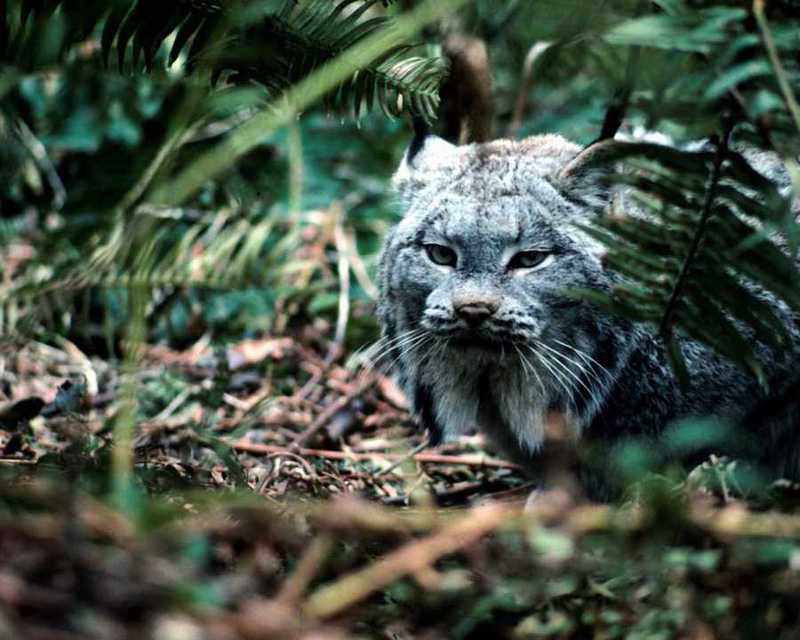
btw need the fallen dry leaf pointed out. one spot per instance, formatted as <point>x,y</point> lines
<point>255,351</point>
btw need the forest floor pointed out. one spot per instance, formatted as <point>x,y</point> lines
<point>279,493</point>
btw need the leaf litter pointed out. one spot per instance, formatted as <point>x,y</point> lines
<point>281,494</point>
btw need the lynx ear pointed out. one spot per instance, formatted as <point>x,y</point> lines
<point>599,156</point>
<point>586,175</point>
<point>426,156</point>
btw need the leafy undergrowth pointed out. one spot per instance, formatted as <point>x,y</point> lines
<point>281,494</point>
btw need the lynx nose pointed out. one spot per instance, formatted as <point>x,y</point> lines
<point>474,311</point>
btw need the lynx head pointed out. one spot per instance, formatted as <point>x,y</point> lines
<point>475,287</point>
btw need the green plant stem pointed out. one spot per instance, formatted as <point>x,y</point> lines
<point>299,97</point>
<point>164,153</point>
<point>783,82</point>
<point>774,58</point>
<point>125,423</point>
<point>296,171</point>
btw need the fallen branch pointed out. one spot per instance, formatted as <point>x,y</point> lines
<point>410,559</point>
<point>416,558</point>
<point>327,415</point>
<point>306,570</point>
<point>476,460</point>
<point>402,460</point>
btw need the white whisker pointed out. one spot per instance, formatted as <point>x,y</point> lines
<point>553,369</point>
<point>409,346</point>
<point>586,358</point>
<point>529,368</point>
<point>401,349</point>
<point>561,358</point>
<point>372,358</point>
<point>396,343</point>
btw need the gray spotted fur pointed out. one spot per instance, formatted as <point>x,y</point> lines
<point>606,375</point>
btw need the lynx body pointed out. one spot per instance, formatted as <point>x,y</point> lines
<point>475,309</point>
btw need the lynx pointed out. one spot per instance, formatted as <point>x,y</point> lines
<point>475,314</point>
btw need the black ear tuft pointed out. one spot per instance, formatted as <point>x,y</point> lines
<point>421,132</point>
<point>426,160</point>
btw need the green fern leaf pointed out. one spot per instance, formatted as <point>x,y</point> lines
<point>274,43</point>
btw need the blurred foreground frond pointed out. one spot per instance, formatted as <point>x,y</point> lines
<point>271,42</point>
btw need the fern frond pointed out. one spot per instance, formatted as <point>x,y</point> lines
<point>272,42</point>
<point>723,65</point>
<point>701,251</point>
<point>162,252</point>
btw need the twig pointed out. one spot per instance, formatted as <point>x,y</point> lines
<point>39,153</point>
<point>326,416</point>
<point>406,457</point>
<point>475,460</point>
<point>343,268</point>
<point>621,99</point>
<point>521,103</point>
<point>412,558</point>
<point>310,471</point>
<point>306,570</point>
<point>774,58</point>
<point>786,89</point>
<point>316,377</point>
<point>359,268</point>
<point>347,513</point>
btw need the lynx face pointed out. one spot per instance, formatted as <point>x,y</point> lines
<point>474,290</point>
<point>489,276</point>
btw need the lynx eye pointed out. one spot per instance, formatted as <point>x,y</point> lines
<point>530,259</point>
<point>439,254</point>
